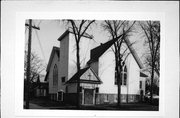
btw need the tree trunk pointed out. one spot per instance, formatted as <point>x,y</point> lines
<point>152,78</point>
<point>78,79</point>
<point>119,81</point>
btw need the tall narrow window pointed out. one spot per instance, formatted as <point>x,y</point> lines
<point>55,75</point>
<point>115,82</point>
<point>123,76</point>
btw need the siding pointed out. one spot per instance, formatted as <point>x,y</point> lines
<point>53,89</point>
<point>63,65</point>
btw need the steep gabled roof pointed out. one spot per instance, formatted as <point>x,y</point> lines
<point>80,73</point>
<point>143,75</point>
<point>133,52</point>
<point>98,51</point>
<point>55,50</point>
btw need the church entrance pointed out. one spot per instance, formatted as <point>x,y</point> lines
<point>88,96</point>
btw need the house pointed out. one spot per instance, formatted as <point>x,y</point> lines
<point>38,87</point>
<point>98,84</point>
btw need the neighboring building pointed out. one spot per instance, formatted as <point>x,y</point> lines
<point>42,90</point>
<point>98,83</point>
<point>38,87</point>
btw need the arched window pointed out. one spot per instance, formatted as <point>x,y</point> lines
<point>123,76</point>
<point>55,75</point>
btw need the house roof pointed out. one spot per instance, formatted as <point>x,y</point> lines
<point>54,51</point>
<point>80,73</point>
<point>43,85</point>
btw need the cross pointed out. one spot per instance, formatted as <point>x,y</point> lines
<point>89,75</point>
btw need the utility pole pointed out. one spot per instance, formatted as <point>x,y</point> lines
<point>29,61</point>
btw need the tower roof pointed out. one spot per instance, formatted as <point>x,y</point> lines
<point>63,35</point>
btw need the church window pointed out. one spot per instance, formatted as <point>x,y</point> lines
<point>55,76</point>
<point>123,76</point>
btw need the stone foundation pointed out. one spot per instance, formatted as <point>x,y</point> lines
<point>112,98</point>
<point>100,98</point>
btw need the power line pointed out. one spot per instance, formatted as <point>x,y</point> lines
<point>40,45</point>
<point>40,41</point>
<point>28,61</point>
<point>39,23</point>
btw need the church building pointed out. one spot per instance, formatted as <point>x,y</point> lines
<point>98,83</point>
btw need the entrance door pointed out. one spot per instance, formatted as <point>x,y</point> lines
<point>88,96</point>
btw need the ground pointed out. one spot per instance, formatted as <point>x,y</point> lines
<point>47,104</point>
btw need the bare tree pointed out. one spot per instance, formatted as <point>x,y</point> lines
<point>121,30</point>
<point>37,66</point>
<point>151,31</point>
<point>79,29</point>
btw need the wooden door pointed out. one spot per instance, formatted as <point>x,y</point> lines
<point>88,96</point>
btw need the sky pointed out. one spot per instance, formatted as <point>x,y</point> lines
<point>44,39</point>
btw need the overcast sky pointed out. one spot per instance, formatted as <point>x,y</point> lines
<point>44,39</point>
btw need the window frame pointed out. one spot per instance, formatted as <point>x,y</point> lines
<point>123,73</point>
<point>55,75</point>
<point>63,79</point>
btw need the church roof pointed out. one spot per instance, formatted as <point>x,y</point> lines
<point>80,73</point>
<point>55,50</point>
<point>143,75</point>
<point>134,53</point>
<point>98,51</point>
